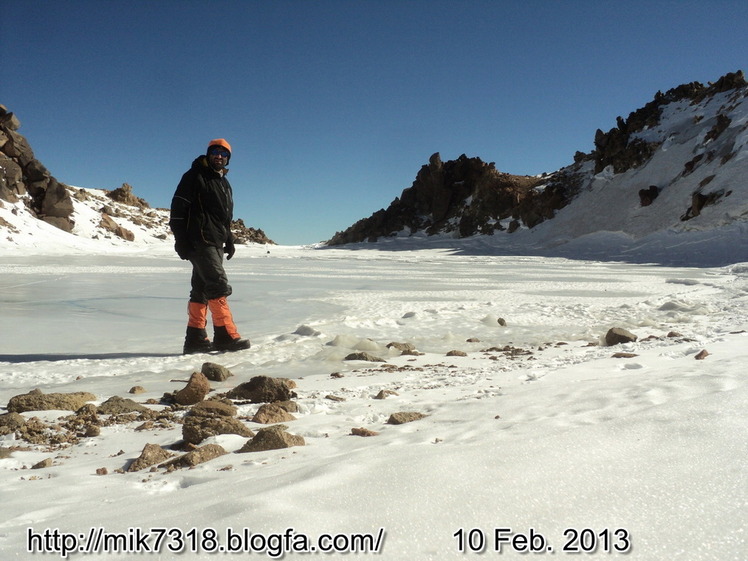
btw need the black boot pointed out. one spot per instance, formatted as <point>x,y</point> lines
<point>222,341</point>
<point>196,341</point>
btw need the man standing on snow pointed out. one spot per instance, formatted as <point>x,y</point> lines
<point>201,214</point>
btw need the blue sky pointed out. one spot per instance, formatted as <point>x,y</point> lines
<point>333,106</point>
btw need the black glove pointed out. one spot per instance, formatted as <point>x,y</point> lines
<point>183,249</point>
<point>229,249</point>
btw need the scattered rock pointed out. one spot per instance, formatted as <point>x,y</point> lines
<point>45,463</point>
<point>624,355</point>
<point>92,431</point>
<point>306,331</point>
<point>214,407</point>
<point>402,347</point>
<point>35,400</point>
<point>363,355</point>
<point>151,455</point>
<point>102,471</point>
<point>197,428</point>
<point>215,372</point>
<point>456,353</point>
<point>198,456</point>
<point>501,322</point>
<point>384,394</point>
<point>136,390</point>
<point>618,335</point>
<point>363,432</point>
<point>702,355</point>
<point>116,405</point>
<point>262,389</point>
<point>11,422</point>
<point>404,417</point>
<point>195,390</point>
<point>272,438</point>
<point>334,398</point>
<point>472,340</point>
<point>271,413</point>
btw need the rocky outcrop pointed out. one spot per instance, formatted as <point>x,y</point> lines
<point>616,147</point>
<point>244,234</point>
<point>466,197</point>
<point>21,174</point>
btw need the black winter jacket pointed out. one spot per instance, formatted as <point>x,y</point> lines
<point>202,207</point>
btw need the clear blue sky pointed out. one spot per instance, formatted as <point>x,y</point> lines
<point>333,106</point>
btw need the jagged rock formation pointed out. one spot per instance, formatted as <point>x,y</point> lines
<point>245,234</point>
<point>21,173</point>
<point>465,197</point>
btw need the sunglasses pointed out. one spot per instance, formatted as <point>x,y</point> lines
<point>221,153</point>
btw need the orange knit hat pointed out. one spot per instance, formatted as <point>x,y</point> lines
<point>220,142</point>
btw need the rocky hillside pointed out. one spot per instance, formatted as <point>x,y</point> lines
<point>36,209</point>
<point>690,143</point>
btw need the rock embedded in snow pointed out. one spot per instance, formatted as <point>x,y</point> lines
<point>195,391</point>
<point>213,407</point>
<point>35,400</point>
<point>404,417</point>
<point>215,372</point>
<point>11,422</point>
<point>151,455</point>
<point>45,463</point>
<point>262,389</point>
<point>363,432</point>
<point>402,347</point>
<point>363,355</point>
<point>272,438</point>
<point>198,456</point>
<point>618,336</point>
<point>456,353</point>
<point>271,413</point>
<point>116,405</point>
<point>197,428</point>
<point>702,355</point>
<point>306,331</point>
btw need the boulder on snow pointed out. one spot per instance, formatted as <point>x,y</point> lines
<point>197,428</point>
<point>198,456</point>
<point>618,336</point>
<point>215,372</point>
<point>404,417</point>
<point>151,455</point>
<point>272,438</point>
<point>195,391</point>
<point>116,405</point>
<point>35,400</point>
<point>271,413</point>
<point>262,389</point>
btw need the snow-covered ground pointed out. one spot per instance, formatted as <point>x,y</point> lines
<point>648,451</point>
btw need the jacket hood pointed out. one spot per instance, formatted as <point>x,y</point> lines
<point>201,164</point>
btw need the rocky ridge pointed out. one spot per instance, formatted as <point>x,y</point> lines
<point>467,197</point>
